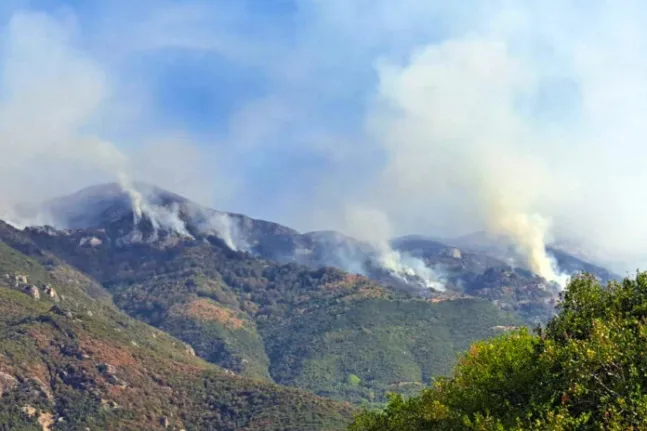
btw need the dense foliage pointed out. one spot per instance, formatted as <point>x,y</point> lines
<point>75,362</point>
<point>587,370</point>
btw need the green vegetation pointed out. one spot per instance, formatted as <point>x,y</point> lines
<point>79,363</point>
<point>587,370</point>
<point>288,323</point>
<point>353,380</point>
<point>390,345</point>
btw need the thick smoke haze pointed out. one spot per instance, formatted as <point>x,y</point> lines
<point>520,119</point>
<point>449,122</point>
<point>527,125</point>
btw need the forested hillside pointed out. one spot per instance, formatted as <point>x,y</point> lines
<point>339,335</point>
<point>69,360</point>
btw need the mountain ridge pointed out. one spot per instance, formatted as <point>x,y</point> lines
<point>264,303</point>
<point>268,239</point>
<point>247,312</point>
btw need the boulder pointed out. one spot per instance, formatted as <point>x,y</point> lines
<point>32,291</point>
<point>107,369</point>
<point>164,422</point>
<point>455,253</point>
<point>51,293</point>
<point>90,241</point>
<point>190,350</point>
<point>29,411</point>
<point>43,388</point>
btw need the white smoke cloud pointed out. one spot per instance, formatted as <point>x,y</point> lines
<point>226,228</point>
<point>52,96</point>
<point>448,121</point>
<point>535,107</point>
<point>49,91</point>
<point>373,227</point>
<point>525,121</point>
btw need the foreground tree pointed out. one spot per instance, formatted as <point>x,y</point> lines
<point>587,370</point>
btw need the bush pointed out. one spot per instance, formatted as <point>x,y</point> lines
<point>353,380</point>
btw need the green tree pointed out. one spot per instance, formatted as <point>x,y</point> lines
<point>587,370</point>
<point>353,380</point>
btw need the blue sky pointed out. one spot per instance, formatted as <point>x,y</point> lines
<point>261,87</point>
<point>439,115</point>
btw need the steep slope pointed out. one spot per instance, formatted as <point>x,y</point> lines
<point>70,361</point>
<point>362,349</point>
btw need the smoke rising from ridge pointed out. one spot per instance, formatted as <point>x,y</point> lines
<point>449,122</point>
<point>52,96</point>
<point>373,227</point>
<point>521,119</point>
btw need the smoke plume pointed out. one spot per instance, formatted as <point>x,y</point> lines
<point>373,227</point>
<point>224,226</point>
<point>448,122</point>
<point>53,97</point>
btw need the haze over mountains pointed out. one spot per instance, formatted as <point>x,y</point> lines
<point>415,131</point>
<point>112,215</point>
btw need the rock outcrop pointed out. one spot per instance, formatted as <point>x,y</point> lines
<point>32,291</point>
<point>7,382</point>
<point>51,293</point>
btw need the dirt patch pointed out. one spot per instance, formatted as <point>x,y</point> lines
<point>46,421</point>
<point>105,352</point>
<point>208,311</point>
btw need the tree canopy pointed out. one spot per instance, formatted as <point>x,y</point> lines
<point>586,370</point>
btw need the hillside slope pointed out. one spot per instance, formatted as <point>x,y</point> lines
<point>70,360</point>
<point>286,323</point>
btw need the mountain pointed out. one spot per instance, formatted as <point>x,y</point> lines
<point>457,259</point>
<point>70,360</point>
<point>314,327</point>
